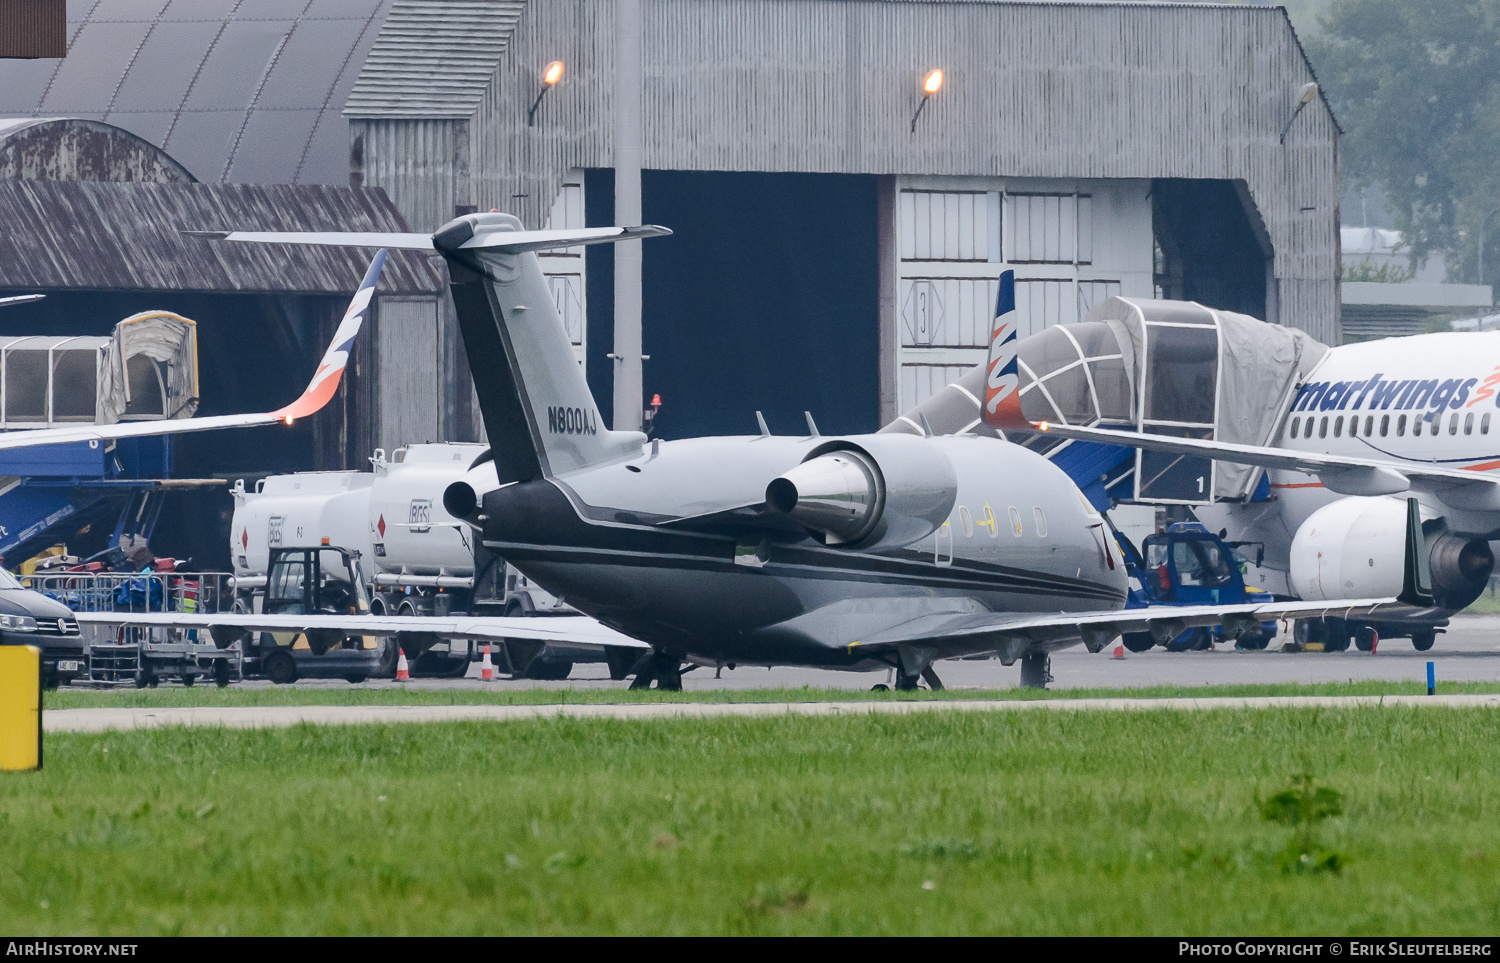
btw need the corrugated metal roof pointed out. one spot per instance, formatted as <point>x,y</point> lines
<point>63,235</point>
<point>239,91</point>
<point>65,149</point>
<point>433,58</point>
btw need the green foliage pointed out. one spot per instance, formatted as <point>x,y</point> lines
<point>993,823</point>
<point>1384,274</point>
<point>1302,806</point>
<point>1416,88</point>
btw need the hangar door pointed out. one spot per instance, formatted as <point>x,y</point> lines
<point>409,387</point>
<point>1072,243</point>
<point>763,298</point>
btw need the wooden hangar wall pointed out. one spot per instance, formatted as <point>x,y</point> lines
<point>1100,126</point>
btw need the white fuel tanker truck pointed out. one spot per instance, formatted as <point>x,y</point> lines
<point>417,559</point>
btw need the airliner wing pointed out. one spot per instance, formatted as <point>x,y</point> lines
<point>1347,475</point>
<point>325,381</point>
<point>230,625</point>
<point>946,637</point>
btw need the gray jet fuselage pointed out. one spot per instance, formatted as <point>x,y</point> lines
<point>1010,534</point>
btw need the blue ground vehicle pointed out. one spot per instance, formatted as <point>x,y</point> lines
<point>1189,565</point>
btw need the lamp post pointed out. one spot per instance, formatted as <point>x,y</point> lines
<point>931,84</point>
<point>550,77</point>
<point>1305,96</point>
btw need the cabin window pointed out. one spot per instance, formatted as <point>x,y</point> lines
<point>1437,423</point>
<point>1385,425</point>
<point>1369,425</point>
<point>966,521</point>
<point>1295,423</point>
<point>1041,521</point>
<point>1484,424</point>
<point>1453,424</point>
<point>1015,521</point>
<point>990,523</point>
<point>1338,426</point>
<point>1469,423</point>
<point>1401,426</point>
<point>1323,427</point>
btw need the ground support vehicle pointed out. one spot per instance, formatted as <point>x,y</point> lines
<point>137,654</point>
<point>418,559</point>
<point>325,579</point>
<point>30,618</point>
<point>1189,565</point>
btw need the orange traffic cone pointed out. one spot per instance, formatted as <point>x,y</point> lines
<point>487,668</point>
<point>1119,652</point>
<point>403,671</point>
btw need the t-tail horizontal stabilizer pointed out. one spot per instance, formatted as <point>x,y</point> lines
<point>538,413</point>
<point>322,387</point>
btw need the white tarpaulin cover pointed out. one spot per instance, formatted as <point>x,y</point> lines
<point>150,369</point>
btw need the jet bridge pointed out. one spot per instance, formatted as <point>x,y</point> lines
<point>147,370</point>
<point>1161,367</point>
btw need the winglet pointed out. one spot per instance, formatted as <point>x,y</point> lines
<point>1002,382</point>
<point>1416,582</point>
<point>325,381</point>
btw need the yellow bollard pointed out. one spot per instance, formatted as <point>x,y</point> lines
<point>20,707</point>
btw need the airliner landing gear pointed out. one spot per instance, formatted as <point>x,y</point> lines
<point>1422,639</point>
<point>664,669</point>
<point>932,680</point>
<point>1036,669</point>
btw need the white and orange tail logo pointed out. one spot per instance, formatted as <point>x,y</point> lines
<point>325,381</point>
<point>1002,383</point>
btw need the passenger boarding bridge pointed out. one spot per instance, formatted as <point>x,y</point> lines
<point>1162,367</point>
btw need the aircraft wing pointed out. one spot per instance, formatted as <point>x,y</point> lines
<point>950,636</point>
<point>508,242</point>
<point>325,381</point>
<point>1471,487</point>
<point>230,625</point>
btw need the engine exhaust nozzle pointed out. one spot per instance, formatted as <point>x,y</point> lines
<point>837,495</point>
<point>463,498</point>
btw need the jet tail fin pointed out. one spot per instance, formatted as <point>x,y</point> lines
<point>537,409</point>
<point>325,380</point>
<point>1002,381</point>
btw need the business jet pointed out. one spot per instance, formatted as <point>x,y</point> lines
<point>869,552</point>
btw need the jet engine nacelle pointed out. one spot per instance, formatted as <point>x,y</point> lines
<point>882,491</point>
<point>462,498</point>
<point>1356,548</point>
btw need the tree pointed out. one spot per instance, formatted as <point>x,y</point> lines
<point>1416,86</point>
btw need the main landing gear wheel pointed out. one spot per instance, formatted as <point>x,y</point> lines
<point>1036,670</point>
<point>1422,639</point>
<point>1366,638</point>
<point>549,670</point>
<point>663,669</point>
<point>280,668</point>
<point>1138,641</point>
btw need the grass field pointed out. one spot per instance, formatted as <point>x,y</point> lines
<point>949,823</point>
<point>71,698</point>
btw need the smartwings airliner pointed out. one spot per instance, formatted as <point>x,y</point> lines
<point>1373,424</point>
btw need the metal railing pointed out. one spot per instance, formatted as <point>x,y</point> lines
<point>136,591</point>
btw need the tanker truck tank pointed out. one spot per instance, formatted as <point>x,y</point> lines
<point>416,541</point>
<point>295,511</point>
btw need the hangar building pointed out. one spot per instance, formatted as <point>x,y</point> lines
<point>833,252</point>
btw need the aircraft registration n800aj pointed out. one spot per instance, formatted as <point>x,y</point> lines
<point>859,551</point>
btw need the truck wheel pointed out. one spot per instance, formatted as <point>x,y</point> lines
<point>548,671</point>
<point>1422,639</point>
<point>280,668</point>
<point>354,679</point>
<point>1336,638</point>
<point>1189,641</point>
<point>188,679</point>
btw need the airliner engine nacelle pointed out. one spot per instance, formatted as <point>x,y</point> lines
<point>884,491</point>
<point>1356,548</point>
